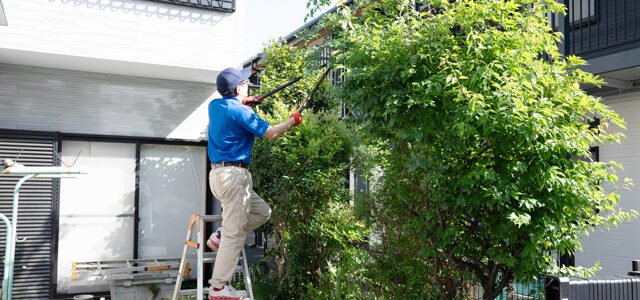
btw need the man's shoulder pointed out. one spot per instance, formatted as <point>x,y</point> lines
<point>216,102</point>
<point>239,108</point>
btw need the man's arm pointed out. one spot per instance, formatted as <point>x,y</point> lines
<point>276,131</point>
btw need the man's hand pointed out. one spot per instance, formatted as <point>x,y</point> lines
<point>298,117</point>
<point>258,68</point>
<point>251,101</point>
<point>275,131</point>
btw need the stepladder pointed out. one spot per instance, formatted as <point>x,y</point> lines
<point>199,221</point>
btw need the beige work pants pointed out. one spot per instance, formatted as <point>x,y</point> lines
<point>242,211</point>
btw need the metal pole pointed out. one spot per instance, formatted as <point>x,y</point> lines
<point>200,267</point>
<point>14,233</point>
<point>10,248</point>
<point>7,251</point>
<point>43,170</point>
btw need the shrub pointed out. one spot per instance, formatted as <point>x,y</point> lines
<point>477,117</point>
<point>303,176</point>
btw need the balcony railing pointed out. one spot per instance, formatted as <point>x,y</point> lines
<point>598,27</point>
<point>217,5</point>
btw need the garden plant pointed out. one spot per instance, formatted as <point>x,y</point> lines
<point>484,138</point>
<point>304,177</point>
<point>480,137</point>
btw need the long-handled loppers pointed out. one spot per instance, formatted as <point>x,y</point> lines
<point>258,100</point>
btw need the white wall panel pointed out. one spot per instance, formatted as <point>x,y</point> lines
<point>615,248</point>
<point>35,98</point>
<point>96,210</point>
<point>137,31</point>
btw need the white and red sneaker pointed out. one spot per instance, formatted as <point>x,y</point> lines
<point>227,292</point>
<point>214,240</point>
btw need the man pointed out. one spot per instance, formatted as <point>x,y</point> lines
<point>232,128</point>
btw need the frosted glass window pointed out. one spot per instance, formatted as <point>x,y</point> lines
<point>172,187</point>
<point>96,210</point>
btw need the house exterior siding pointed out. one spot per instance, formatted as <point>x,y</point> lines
<point>108,76</point>
<point>35,98</point>
<point>615,248</point>
<point>130,34</point>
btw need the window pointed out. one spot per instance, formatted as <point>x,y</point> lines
<point>581,14</point>
<point>172,187</point>
<point>96,213</point>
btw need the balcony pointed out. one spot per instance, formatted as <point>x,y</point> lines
<point>217,5</point>
<point>606,33</point>
<point>598,27</point>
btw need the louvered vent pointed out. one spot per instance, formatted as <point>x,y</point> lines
<point>32,271</point>
<point>217,5</point>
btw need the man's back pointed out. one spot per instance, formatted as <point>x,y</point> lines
<point>232,128</point>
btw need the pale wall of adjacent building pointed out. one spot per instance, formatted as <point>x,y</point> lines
<point>615,248</point>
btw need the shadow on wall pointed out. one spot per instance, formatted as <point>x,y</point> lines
<point>127,105</point>
<point>193,123</point>
<point>153,9</point>
<point>143,104</point>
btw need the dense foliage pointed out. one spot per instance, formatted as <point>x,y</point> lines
<point>303,176</point>
<point>483,132</point>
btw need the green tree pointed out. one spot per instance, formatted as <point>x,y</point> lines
<point>477,116</point>
<point>303,176</point>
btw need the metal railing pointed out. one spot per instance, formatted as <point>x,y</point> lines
<point>217,5</point>
<point>595,27</point>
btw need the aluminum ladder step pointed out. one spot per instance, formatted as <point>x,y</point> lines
<point>205,257</point>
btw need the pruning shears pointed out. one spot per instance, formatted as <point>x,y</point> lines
<point>258,100</point>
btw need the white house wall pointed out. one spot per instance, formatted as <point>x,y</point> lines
<point>615,248</point>
<point>33,98</point>
<point>95,35</point>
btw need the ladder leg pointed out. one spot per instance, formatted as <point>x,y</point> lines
<point>200,259</point>
<point>247,278</point>
<point>182,260</point>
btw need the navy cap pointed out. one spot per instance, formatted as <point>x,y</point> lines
<point>229,79</point>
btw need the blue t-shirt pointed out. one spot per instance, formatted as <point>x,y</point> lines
<point>232,129</point>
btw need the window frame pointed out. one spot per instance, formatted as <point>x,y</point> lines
<point>138,141</point>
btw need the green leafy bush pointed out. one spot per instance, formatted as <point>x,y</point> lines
<point>476,115</point>
<point>303,176</point>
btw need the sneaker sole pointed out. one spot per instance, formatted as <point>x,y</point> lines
<point>212,245</point>
<point>223,298</point>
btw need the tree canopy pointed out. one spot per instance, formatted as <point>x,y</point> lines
<point>484,140</point>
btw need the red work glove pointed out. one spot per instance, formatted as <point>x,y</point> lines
<point>298,117</point>
<point>251,100</point>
